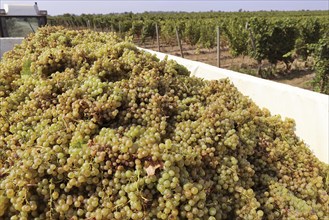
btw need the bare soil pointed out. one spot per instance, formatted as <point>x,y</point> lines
<point>299,75</point>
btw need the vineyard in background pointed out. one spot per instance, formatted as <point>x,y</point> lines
<point>273,40</point>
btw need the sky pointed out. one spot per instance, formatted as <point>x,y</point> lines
<point>137,6</point>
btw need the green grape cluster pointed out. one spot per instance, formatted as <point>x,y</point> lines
<point>93,128</point>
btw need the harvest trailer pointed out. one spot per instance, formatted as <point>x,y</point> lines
<point>17,21</point>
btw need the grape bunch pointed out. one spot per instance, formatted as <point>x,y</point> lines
<point>91,127</point>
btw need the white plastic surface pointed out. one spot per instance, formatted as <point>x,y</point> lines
<point>8,43</point>
<point>310,110</point>
<point>21,10</point>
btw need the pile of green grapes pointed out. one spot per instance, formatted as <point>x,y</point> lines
<point>93,128</point>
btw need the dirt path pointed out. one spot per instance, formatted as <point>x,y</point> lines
<point>301,79</point>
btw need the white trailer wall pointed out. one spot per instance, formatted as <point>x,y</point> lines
<point>310,110</point>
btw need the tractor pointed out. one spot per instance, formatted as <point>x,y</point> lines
<point>16,22</point>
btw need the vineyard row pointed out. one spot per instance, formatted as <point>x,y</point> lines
<point>275,37</point>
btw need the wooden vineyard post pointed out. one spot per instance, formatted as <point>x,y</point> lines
<point>254,47</point>
<point>88,24</point>
<point>218,46</point>
<point>157,33</point>
<point>179,43</point>
<point>251,37</point>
